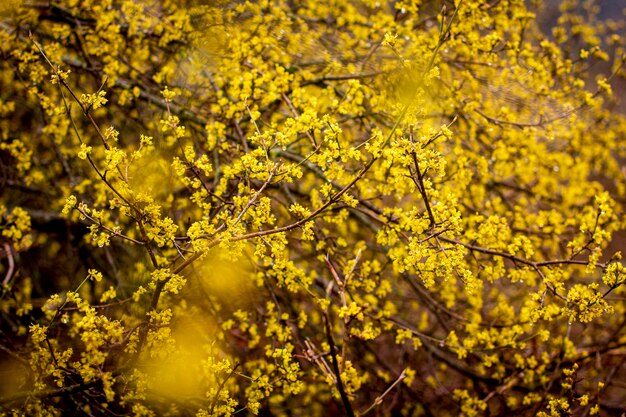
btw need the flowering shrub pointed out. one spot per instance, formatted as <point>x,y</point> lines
<point>310,208</point>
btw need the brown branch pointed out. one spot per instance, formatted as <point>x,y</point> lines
<point>381,397</point>
<point>333,354</point>
<point>519,259</point>
<point>11,269</point>
<point>422,190</point>
<point>343,77</point>
<point>536,265</point>
<point>50,393</point>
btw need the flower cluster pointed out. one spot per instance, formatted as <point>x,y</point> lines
<point>311,208</point>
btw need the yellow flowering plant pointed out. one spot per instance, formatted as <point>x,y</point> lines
<point>311,208</point>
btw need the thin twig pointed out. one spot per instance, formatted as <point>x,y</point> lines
<point>381,397</point>
<point>11,269</point>
<point>422,190</point>
<point>333,354</point>
<point>255,196</point>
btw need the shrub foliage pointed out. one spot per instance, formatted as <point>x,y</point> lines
<point>310,208</point>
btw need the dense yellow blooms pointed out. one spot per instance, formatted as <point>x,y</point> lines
<point>311,208</point>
